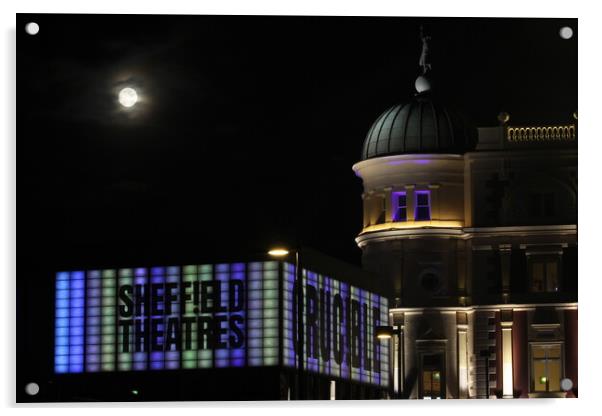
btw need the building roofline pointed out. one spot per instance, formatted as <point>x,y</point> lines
<point>466,233</point>
<point>513,306</point>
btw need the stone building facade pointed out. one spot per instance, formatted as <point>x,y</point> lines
<point>473,232</point>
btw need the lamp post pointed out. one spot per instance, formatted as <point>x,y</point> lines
<point>387,332</point>
<point>282,252</point>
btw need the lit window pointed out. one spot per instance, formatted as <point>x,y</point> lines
<point>400,206</point>
<point>423,206</point>
<point>546,367</point>
<point>544,275</point>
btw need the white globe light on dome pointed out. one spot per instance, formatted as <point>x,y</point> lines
<point>422,84</point>
<point>128,97</point>
<point>566,32</point>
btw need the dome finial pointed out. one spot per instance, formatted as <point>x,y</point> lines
<point>422,83</point>
<point>424,61</point>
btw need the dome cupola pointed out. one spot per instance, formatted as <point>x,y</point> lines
<point>425,124</point>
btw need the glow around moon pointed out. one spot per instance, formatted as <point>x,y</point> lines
<point>566,32</point>
<point>128,97</point>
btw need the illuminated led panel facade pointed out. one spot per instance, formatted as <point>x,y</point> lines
<point>214,316</point>
<point>339,321</point>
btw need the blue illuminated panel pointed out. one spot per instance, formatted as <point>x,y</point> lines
<point>339,322</point>
<point>345,326</point>
<point>93,320</point>
<point>157,319</point>
<point>69,322</point>
<point>384,346</point>
<point>236,308</point>
<point>140,354</point>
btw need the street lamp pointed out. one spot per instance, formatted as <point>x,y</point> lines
<point>387,332</point>
<point>384,332</point>
<point>278,252</point>
<point>282,252</point>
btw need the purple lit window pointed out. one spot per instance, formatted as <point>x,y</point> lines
<point>423,206</point>
<point>400,206</point>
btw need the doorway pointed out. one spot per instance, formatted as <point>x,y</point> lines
<point>432,380</point>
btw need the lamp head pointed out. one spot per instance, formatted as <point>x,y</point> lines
<point>278,252</point>
<point>384,332</point>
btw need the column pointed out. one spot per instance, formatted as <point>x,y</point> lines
<point>462,327</point>
<point>388,203</point>
<point>507,382</point>
<point>410,201</point>
<point>435,203</point>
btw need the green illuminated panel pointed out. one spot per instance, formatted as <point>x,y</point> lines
<point>191,276</point>
<point>108,320</point>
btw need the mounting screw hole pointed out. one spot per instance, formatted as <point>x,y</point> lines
<point>566,32</point>
<point>32,389</point>
<point>32,28</point>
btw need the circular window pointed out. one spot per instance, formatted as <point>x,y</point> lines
<point>430,281</point>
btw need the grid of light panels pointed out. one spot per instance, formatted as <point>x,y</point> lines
<point>377,371</point>
<point>88,337</point>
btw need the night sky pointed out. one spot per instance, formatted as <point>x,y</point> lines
<point>247,129</point>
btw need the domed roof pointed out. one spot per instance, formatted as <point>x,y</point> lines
<point>424,125</point>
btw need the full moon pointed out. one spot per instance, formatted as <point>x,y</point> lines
<point>566,32</point>
<point>128,97</point>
